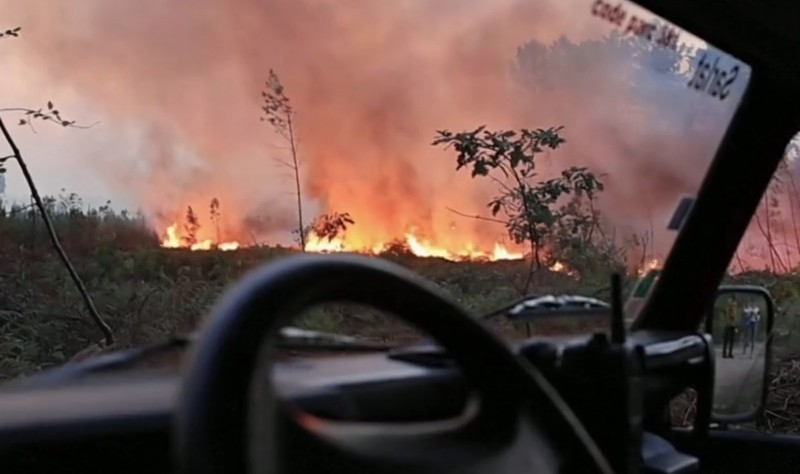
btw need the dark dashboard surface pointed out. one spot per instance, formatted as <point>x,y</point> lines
<point>60,424</point>
<point>88,422</point>
<point>102,403</point>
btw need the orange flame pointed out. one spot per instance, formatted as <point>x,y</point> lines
<point>418,246</point>
<point>172,239</point>
<point>559,267</point>
<point>652,264</point>
<point>415,245</point>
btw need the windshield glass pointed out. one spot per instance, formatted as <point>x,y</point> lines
<point>768,256</point>
<point>500,148</point>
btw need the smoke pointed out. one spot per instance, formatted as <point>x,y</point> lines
<point>371,81</point>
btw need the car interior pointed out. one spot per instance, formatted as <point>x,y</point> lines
<point>471,402</point>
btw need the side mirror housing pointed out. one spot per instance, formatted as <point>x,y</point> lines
<point>740,323</point>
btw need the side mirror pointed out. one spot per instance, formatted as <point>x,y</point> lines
<point>740,323</point>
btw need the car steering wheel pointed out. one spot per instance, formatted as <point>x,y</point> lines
<point>230,419</point>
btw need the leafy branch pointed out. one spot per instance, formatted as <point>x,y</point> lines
<point>331,226</point>
<point>13,32</point>
<point>46,114</point>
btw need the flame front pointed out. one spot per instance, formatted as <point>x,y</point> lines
<point>173,239</point>
<point>416,245</point>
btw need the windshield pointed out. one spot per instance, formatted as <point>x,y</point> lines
<point>500,148</point>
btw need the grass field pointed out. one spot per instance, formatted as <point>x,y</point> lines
<point>148,293</point>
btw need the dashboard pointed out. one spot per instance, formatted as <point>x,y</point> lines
<point>120,421</point>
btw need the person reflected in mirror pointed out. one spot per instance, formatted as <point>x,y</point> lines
<point>731,317</point>
<point>751,318</point>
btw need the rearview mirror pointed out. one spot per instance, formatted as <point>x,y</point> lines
<point>740,324</point>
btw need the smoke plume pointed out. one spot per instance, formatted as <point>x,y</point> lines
<point>371,81</point>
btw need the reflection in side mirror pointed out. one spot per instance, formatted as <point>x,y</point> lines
<point>741,324</point>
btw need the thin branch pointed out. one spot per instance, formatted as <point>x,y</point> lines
<point>739,261</point>
<point>500,183</point>
<point>773,253</point>
<point>286,164</point>
<point>283,134</point>
<point>21,209</point>
<point>45,116</point>
<point>278,147</point>
<point>480,218</point>
<point>256,243</point>
<point>285,175</point>
<point>104,327</point>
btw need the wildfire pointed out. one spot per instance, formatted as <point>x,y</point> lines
<point>420,247</point>
<point>172,239</point>
<point>653,264</point>
<point>417,246</point>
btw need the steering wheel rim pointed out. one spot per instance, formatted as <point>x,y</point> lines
<point>237,341</point>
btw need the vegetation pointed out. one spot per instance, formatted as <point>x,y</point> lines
<point>50,114</point>
<point>534,211</point>
<point>148,293</point>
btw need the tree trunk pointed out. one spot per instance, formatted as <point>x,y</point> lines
<point>296,164</point>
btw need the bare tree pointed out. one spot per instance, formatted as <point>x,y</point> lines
<point>191,226</point>
<point>215,216</point>
<point>280,114</point>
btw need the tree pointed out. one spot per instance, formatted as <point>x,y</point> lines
<point>563,60</point>
<point>532,211</point>
<point>191,226</point>
<point>280,114</point>
<point>215,216</point>
<point>619,70</point>
<point>51,114</point>
<point>331,226</point>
